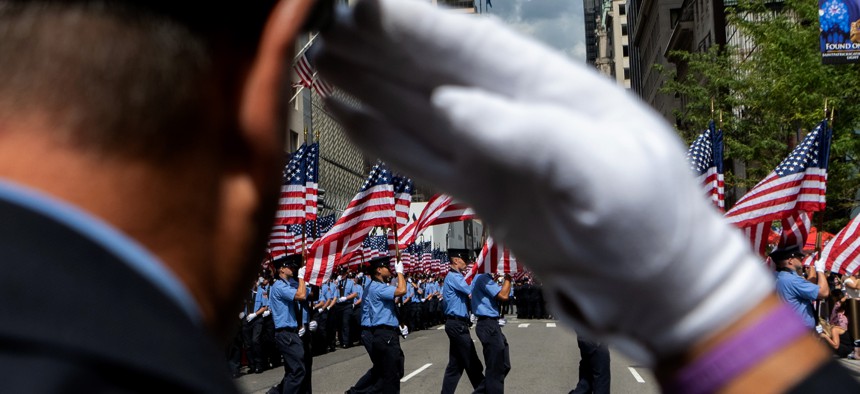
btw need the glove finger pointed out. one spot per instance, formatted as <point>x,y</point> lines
<point>400,105</point>
<point>397,148</point>
<point>418,45</point>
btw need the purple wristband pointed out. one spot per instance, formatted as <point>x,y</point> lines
<point>744,350</point>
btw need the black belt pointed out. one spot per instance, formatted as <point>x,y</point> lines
<point>289,329</point>
<point>386,328</point>
<point>487,317</point>
<point>452,317</point>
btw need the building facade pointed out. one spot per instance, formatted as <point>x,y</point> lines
<point>606,39</point>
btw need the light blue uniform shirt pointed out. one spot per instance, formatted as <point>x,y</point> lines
<point>418,295</point>
<point>431,288</point>
<point>259,300</point>
<point>365,306</point>
<point>283,296</point>
<point>456,292</point>
<point>348,287</point>
<point>126,249</point>
<point>380,299</point>
<point>331,290</point>
<point>410,292</point>
<point>484,292</point>
<point>798,293</point>
<point>359,291</point>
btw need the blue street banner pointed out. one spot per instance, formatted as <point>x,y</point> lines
<point>839,21</point>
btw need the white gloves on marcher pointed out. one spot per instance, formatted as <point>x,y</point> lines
<point>404,331</point>
<point>301,331</point>
<point>312,325</point>
<point>241,315</point>
<point>481,112</point>
<point>398,267</point>
<point>502,322</point>
<point>473,318</point>
<point>301,273</point>
<point>267,313</point>
<point>820,265</point>
<point>341,299</point>
<point>251,316</point>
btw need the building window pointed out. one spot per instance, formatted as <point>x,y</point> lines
<point>624,29</point>
<point>292,141</point>
<point>626,73</point>
<point>622,9</point>
<point>625,50</point>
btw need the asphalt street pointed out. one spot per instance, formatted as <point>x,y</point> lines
<point>544,359</point>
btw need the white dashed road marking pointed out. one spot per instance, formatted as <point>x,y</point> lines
<point>523,325</point>
<point>550,325</point>
<point>636,375</point>
<point>416,372</point>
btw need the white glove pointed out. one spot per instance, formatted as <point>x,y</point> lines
<point>502,322</point>
<point>566,147</point>
<point>320,310</point>
<point>267,313</point>
<point>341,299</point>
<point>404,331</point>
<point>819,329</point>
<point>398,267</point>
<point>251,316</point>
<point>241,315</point>
<point>473,318</point>
<point>312,325</point>
<point>302,331</point>
<point>359,275</point>
<point>819,265</point>
<point>301,273</point>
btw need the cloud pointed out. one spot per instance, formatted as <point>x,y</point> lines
<point>557,23</point>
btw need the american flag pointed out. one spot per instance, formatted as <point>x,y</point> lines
<point>278,240</point>
<point>841,253</point>
<point>494,259</point>
<point>372,247</point>
<point>440,261</point>
<point>799,183</point>
<point>291,204</point>
<point>372,206</point>
<point>402,199</point>
<point>426,255</point>
<point>706,160</point>
<point>312,162</point>
<point>440,209</point>
<point>758,236</point>
<point>309,79</point>
<point>322,225</point>
<point>795,229</point>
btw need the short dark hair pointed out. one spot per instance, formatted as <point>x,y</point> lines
<point>113,77</point>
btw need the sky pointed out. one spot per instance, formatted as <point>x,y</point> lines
<point>558,23</point>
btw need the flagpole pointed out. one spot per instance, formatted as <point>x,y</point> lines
<point>396,243</point>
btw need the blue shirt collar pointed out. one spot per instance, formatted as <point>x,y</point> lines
<point>126,249</point>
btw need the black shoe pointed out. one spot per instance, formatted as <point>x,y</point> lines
<point>258,370</point>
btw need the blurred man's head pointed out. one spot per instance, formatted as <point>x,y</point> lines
<point>158,117</point>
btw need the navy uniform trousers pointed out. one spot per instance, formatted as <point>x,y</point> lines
<point>497,354</point>
<point>593,368</point>
<point>461,356</point>
<point>387,358</point>
<point>293,350</point>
